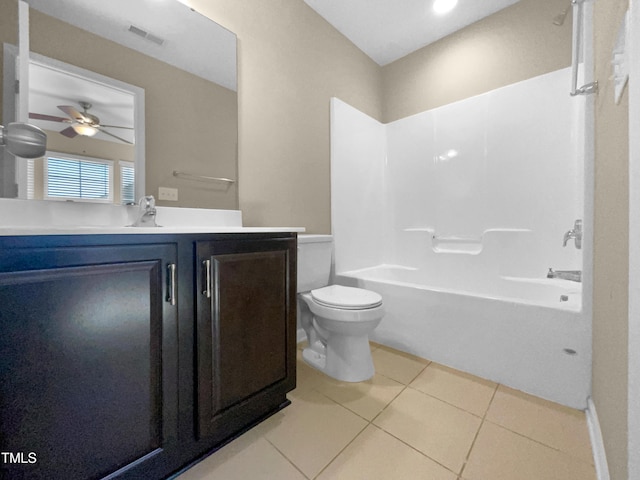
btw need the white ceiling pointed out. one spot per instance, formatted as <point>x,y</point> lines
<point>387,30</point>
<point>192,42</point>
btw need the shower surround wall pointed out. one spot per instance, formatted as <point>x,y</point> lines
<point>473,199</point>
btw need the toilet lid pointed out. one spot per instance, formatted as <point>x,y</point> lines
<point>338,296</point>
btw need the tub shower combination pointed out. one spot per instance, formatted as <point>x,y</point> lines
<point>526,341</point>
<point>457,216</point>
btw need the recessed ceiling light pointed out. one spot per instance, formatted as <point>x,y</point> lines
<point>444,6</point>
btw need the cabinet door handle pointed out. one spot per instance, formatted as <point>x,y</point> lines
<point>171,283</point>
<point>207,278</point>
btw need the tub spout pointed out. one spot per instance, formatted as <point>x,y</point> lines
<point>573,275</point>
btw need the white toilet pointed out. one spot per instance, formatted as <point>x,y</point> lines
<point>336,319</point>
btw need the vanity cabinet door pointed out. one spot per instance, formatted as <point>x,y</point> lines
<point>88,362</point>
<point>246,321</point>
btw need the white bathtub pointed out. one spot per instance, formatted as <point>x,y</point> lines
<point>515,331</point>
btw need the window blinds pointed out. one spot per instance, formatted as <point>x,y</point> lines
<point>70,178</point>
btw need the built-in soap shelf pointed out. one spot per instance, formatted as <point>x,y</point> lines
<point>464,244</point>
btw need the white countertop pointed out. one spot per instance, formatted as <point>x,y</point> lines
<point>35,217</point>
<point>111,230</point>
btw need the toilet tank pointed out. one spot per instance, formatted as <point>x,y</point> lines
<point>314,261</point>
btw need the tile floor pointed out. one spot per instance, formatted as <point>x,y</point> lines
<point>414,419</point>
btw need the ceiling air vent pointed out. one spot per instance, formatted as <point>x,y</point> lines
<point>146,35</point>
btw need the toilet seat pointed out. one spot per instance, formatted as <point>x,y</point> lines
<point>347,298</point>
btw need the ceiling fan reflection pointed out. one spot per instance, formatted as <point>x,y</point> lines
<point>82,123</point>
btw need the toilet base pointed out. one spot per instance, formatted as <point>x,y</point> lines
<point>346,358</point>
<point>314,359</point>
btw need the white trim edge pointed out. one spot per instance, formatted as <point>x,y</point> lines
<point>597,444</point>
<point>633,348</point>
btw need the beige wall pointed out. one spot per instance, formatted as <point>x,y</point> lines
<point>515,44</point>
<point>291,62</point>
<point>611,247</point>
<point>8,34</point>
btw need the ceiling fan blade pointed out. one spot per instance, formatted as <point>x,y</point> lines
<point>115,136</point>
<point>116,126</point>
<point>72,112</point>
<point>50,118</point>
<point>68,132</point>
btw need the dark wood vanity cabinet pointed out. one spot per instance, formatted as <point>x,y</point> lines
<point>88,359</point>
<point>244,312</point>
<point>130,356</point>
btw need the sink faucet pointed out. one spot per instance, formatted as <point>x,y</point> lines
<point>147,214</point>
<point>575,233</point>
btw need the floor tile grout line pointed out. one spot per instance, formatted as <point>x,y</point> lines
<point>342,450</point>
<point>401,440</point>
<point>496,388</point>
<point>349,443</point>
<point>400,382</point>
<point>483,419</point>
<point>404,387</point>
<point>525,436</point>
<point>429,363</point>
<point>448,403</point>
<point>348,409</point>
<point>420,372</point>
<point>356,413</point>
<point>414,448</point>
<point>285,457</point>
<point>475,438</point>
<point>388,404</point>
<point>579,459</point>
<point>370,423</point>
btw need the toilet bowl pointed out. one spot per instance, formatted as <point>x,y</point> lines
<point>337,320</point>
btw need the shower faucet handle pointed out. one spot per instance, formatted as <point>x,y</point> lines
<point>575,233</point>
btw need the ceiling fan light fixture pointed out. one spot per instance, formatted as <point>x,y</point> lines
<point>440,7</point>
<point>86,130</point>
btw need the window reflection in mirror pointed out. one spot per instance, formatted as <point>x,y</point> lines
<point>100,128</point>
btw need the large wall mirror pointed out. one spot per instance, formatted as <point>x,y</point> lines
<point>131,92</point>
